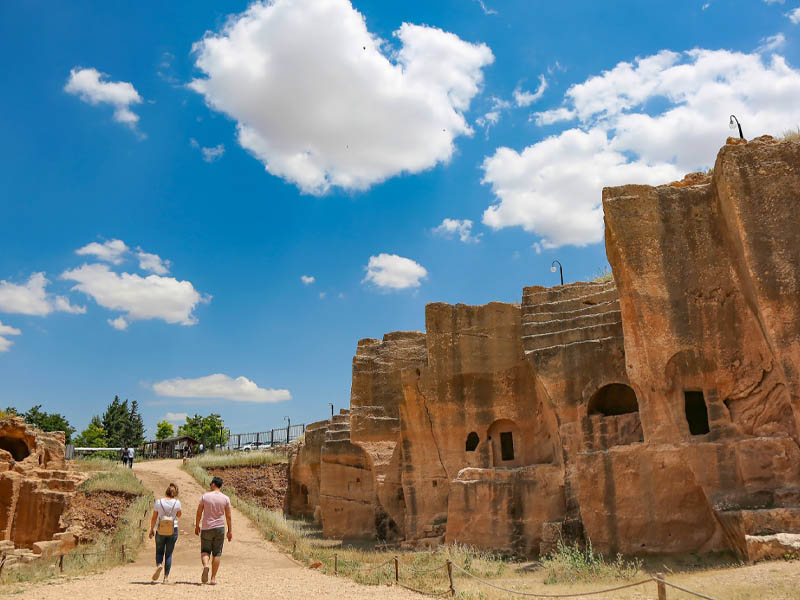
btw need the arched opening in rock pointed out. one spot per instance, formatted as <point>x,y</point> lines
<point>504,436</point>
<point>472,441</point>
<point>15,446</point>
<point>696,412</point>
<point>613,399</point>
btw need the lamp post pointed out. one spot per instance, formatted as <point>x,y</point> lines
<point>288,428</point>
<point>734,123</point>
<point>331,405</point>
<point>560,270</point>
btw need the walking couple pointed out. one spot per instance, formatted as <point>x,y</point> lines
<point>214,510</point>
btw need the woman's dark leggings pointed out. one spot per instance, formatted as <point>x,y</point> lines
<point>165,544</point>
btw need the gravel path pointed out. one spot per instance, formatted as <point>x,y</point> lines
<point>252,568</point>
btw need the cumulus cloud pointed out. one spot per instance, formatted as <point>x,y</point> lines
<point>31,298</point>
<point>392,272</point>
<point>794,15</point>
<point>151,297</point>
<point>219,386</point>
<point>120,324</point>
<point>6,330</point>
<point>524,98</point>
<point>176,417</point>
<point>462,228</point>
<point>212,153</point>
<point>553,187</point>
<point>330,104</point>
<point>307,279</point>
<point>152,262</point>
<point>111,251</point>
<point>90,86</point>
<point>555,115</point>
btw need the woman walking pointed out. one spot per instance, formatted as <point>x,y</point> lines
<point>164,525</point>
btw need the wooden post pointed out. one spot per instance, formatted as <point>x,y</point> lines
<point>2,563</point>
<point>450,576</point>
<point>61,563</point>
<point>123,552</point>
<point>335,564</point>
<point>294,547</point>
<point>396,570</point>
<point>662,589</point>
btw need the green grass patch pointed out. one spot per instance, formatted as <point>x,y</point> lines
<point>117,480</point>
<point>573,564</point>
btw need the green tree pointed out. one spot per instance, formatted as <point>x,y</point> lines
<point>134,429</point>
<point>94,436</point>
<point>206,430</point>
<point>49,421</point>
<point>164,430</point>
<point>123,424</point>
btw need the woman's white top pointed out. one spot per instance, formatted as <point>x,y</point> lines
<point>168,507</point>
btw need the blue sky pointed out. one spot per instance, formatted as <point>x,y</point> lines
<point>248,149</point>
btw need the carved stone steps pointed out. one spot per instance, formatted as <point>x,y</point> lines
<point>538,295</point>
<point>571,336</point>
<point>556,325</point>
<point>552,350</point>
<point>583,301</point>
<point>591,309</point>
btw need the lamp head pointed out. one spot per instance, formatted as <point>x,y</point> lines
<point>553,269</point>
<point>732,122</point>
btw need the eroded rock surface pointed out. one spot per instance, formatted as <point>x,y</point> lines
<point>36,486</point>
<point>658,411</point>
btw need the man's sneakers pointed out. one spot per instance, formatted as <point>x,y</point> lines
<point>204,577</point>
<point>157,574</point>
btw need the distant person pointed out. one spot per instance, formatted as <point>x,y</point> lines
<point>201,448</point>
<point>131,452</point>
<point>166,513</point>
<point>214,507</point>
<point>124,454</point>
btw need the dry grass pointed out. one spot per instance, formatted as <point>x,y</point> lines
<point>602,276</point>
<point>791,134</point>
<point>237,459</point>
<point>106,551</point>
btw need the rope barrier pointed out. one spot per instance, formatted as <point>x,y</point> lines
<point>683,589</point>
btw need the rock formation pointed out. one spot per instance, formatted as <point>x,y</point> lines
<point>655,412</point>
<point>35,490</point>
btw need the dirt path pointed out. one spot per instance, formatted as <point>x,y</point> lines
<point>251,567</point>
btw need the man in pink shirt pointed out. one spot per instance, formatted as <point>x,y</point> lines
<point>214,507</point>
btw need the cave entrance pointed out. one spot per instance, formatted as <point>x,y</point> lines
<point>696,412</point>
<point>15,446</point>
<point>503,435</point>
<point>506,445</point>
<point>472,441</point>
<point>613,399</point>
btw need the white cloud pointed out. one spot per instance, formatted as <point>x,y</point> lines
<point>307,279</point>
<point>794,15</point>
<point>210,154</point>
<point>5,330</point>
<point>462,228</point>
<point>219,386</point>
<point>88,84</point>
<point>31,298</point>
<point>151,297</point>
<point>553,188</point>
<point>111,251</point>
<point>152,262</point>
<point>772,43</point>
<point>706,5</point>
<point>486,10</point>
<point>328,103</point>
<point>393,272</point>
<point>555,115</point>
<point>120,324</point>
<point>173,417</point>
<point>322,295</point>
<point>774,1</point>
<point>523,98</point>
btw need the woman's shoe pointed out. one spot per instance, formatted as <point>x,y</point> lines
<point>157,574</point>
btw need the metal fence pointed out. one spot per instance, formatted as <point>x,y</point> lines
<point>264,439</point>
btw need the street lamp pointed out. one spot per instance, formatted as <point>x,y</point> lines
<point>331,405</point>
<point>288,428</point>
<point>560,270</point>
<point>734,123</point>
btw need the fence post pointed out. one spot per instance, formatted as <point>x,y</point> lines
<point>335,564</point>
<point>294,547</point>
<point>123,552</point>
<point>662,589</point>
<point>271,438</point>
<point>61,563</point>
<point>396,570</point>
<point>450,576</point>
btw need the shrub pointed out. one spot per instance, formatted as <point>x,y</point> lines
<point>571,564</point>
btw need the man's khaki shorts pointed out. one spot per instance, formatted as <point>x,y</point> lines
<point>211,541</point>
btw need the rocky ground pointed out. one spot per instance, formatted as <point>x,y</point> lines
<point>97,513</point>
<point>264,484</point>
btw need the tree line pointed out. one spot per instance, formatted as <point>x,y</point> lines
<point>121,425</point>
